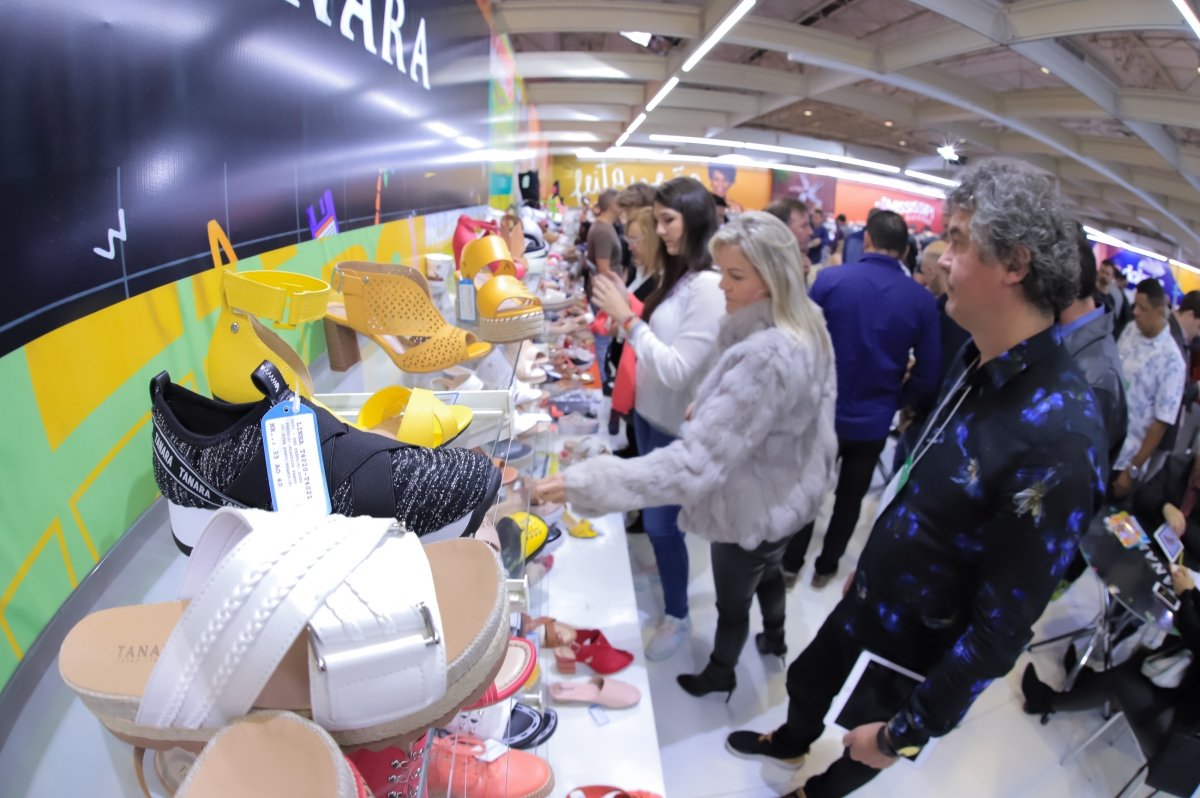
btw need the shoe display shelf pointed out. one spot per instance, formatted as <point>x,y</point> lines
<point>50,744</point>
<point>344,392</point>
<point>591,585</point>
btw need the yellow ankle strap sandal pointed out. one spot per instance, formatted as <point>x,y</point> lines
<point>241,342</point>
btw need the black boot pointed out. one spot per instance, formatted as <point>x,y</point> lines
<point>705,682</point>
<point>1070,658</point>
<point>1039,697</point>
<point>775,646</point>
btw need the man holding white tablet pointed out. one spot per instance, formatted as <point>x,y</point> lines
<point>983,519</point>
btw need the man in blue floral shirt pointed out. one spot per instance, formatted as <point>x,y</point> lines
<point>979,525</point>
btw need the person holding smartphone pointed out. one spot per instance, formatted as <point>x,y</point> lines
<point>1171,496</point>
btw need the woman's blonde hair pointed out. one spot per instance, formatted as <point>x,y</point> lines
<point>772,250</point>
<point>643,219</point>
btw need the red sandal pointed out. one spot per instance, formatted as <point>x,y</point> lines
<point>591,648</point>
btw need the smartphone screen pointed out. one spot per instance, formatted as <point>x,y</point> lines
<point>1169,542</point>
<point>1166,595</point>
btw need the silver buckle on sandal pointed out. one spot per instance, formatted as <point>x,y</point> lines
<point>432,638</point>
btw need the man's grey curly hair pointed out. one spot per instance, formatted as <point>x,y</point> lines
<point>1014,206</point>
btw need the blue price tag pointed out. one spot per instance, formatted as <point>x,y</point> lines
<point>295,470</point>
<point>466,302</point>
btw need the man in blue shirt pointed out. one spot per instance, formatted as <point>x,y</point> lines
<point>976,531</point>
<point>877,317</point>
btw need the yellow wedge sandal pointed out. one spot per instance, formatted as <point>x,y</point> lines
<point>390,305</point>
<point>508,311</point>
<point>489,254</point>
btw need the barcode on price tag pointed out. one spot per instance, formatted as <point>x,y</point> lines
<point>295,470</point>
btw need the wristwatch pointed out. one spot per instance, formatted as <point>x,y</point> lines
<point>1135,471</point>
<point>884,741</point>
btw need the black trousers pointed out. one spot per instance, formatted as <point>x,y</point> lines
<point>739,576</point>
<point>817,675</point>
<point>859,459</point>
<point>1148,707</point>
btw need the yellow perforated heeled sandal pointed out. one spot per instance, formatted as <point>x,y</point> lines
<point>508,311</point>
<point>390,305</point>
<point>414,416</point>
<point>241,342</point>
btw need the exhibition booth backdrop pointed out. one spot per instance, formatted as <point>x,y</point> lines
<point>149,144</point>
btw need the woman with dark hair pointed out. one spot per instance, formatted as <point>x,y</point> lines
<point>675,339</point>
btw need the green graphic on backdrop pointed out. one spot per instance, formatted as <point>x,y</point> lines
<point>99,479</point>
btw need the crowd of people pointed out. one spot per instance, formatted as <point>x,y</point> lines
<point>775,355</point>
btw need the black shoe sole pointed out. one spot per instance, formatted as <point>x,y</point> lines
<point>795,763</point>
<point>477,515</point>
<point>696,687</point>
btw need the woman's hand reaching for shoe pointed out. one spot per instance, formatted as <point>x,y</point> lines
<point>550,490</point>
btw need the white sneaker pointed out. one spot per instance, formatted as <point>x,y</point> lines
<point>668,637</point>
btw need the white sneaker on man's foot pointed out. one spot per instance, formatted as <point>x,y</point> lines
<point>668,637</point>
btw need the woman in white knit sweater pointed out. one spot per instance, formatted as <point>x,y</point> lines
<point>756,455</point>
<point>674,341</point>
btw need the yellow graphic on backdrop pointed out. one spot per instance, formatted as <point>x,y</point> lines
<point>54,530</point>
<point>76,368</point>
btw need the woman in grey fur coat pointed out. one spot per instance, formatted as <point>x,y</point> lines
<point>755,459</point>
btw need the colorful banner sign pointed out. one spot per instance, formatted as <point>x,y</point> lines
<point>857,199</point>
<point>747,187</point>
<point>815,191</point>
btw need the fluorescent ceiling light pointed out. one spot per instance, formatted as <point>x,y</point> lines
<point>718,33</point>
<point>634,125</point>
<point>618,152</point>
<point>662,93</point>
<point>881,180</point>
<point>1189,15</point>
<point>468,142</point>
<point>775,148</point>
<point>574,135</point>
<point>637,37</point>
<point>672,139</point>
<point>442,129</point>
<point>489,156</point>
<point>1182,265</point>
<point>882,167</point>
<point>941,181</point>
<point>1101,237</point>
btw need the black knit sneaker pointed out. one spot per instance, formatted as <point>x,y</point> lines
<point>752,745</point>
<point>208,454</point>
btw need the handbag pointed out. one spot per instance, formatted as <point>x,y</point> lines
<point>1166,668</point>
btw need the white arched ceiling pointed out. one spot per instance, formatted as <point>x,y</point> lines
<point>1117,118</point>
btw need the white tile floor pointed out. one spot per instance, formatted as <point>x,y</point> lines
<point>997,751</point>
